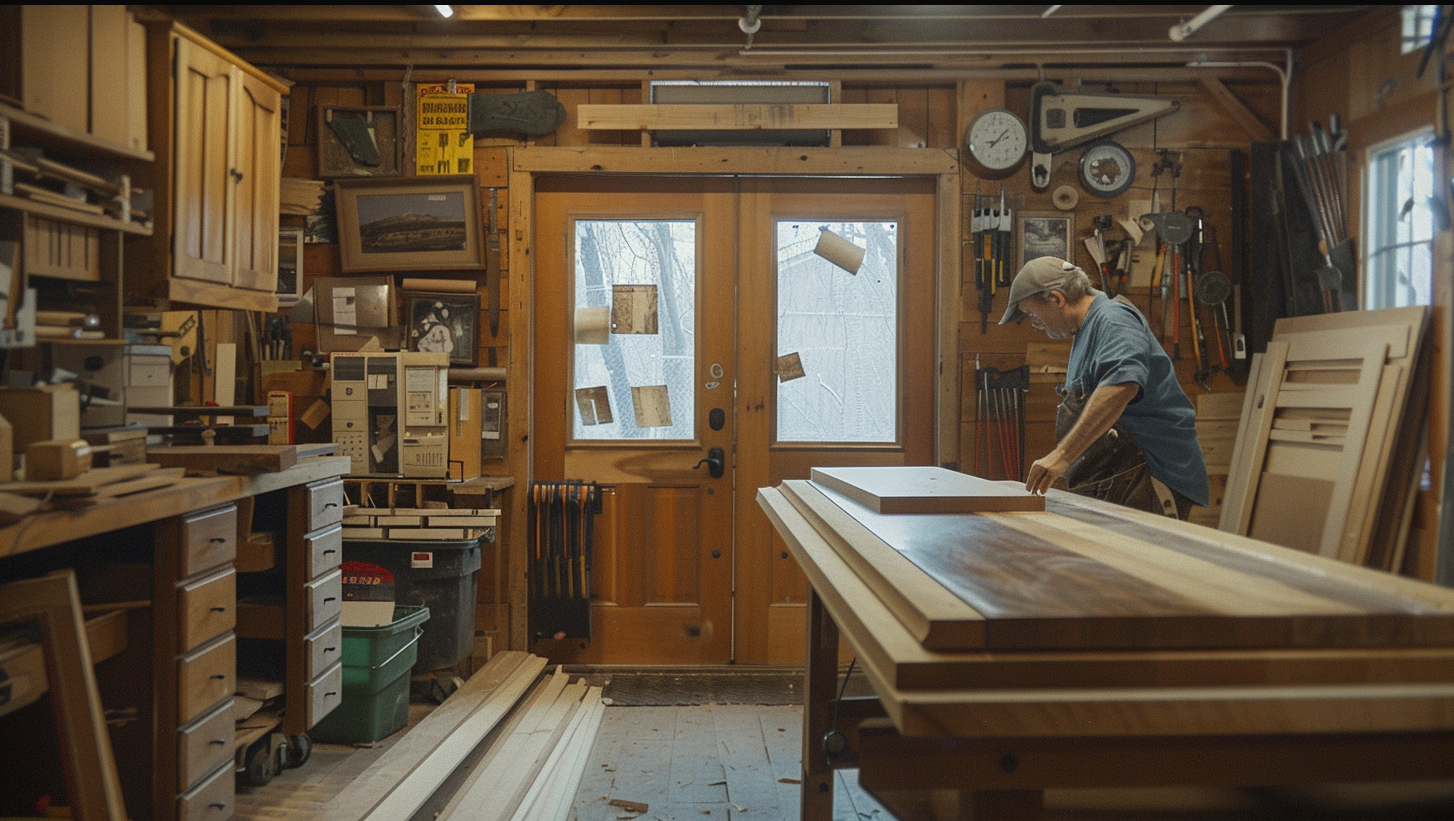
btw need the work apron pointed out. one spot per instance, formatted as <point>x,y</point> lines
<point>1114,467</point>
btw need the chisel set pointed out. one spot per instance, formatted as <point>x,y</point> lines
<point>992,230</point>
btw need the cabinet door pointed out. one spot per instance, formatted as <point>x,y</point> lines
<point>205,102</point>
<point>258,150</point>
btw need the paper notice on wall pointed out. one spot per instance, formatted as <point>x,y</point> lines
<point>633,309</point>
<point>345,311</point>
<point>789,367</point>
<point>594,405</point>
<point>443,142</point>
<point>652,406</point>
<point>593,326</point>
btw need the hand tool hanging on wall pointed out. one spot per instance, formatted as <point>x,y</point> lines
<point>561,539</point>
<point>1194,321</point>
<point>1000,450</point>
<point>979,226</point>
<point>1213,289</point>
<point>493,274</point>
<point>1319,170</point>
<point>1004,230</point>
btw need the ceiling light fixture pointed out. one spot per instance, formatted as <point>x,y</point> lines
<point>1181,31</point>
<point>445,11</point>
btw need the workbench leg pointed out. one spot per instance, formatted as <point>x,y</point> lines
<point>820,664</point>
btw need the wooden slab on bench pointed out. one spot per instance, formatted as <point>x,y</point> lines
<point>87,484</point>
<point>248,460</point>
<point>926,490</point>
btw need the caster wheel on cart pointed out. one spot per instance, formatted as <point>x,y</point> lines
<point>299,748</point>
<point>260,766</point>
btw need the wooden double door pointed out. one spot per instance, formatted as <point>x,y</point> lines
<point>696,339</point>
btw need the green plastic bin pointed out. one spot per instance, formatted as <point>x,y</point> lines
<point>376,662</point>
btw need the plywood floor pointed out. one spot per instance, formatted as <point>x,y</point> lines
<point>717,762</point>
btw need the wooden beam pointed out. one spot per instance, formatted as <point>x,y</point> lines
<point>736,117</point>
<point>855,161</point>
<point>1234,106</point>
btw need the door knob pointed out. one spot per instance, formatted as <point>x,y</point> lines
<point>716,461</point>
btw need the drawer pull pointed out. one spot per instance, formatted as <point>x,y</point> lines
<point>218,741</point>
<point>329,599</point>
<point>219,676</point>
<point>330,649</point>
<point>217,539</point>
<point>327,505</point>
<point>329,550</point>
<point>217,805</point>
<point>330,693</point>
<point>219,609</point>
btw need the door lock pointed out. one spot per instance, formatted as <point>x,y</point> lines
<point>716,461</point>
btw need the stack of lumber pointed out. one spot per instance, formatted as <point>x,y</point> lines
<point>95,485</point>
<point>1327,453</point>
<point>1218,418</point>
<point>520,741</point>
<point>416,523</point>
<point>1090,619</point>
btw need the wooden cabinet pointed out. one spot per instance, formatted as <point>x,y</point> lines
<point>216,124</point>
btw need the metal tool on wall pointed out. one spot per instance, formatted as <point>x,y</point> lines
<point>1000,423</point>
<point>560,536</point>
<point>1319,164</point>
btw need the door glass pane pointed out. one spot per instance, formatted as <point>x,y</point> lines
<point>635,325</point>
<point>837,332</point>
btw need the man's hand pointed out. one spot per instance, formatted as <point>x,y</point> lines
<point>1046,471</point>
<point>1101,411</point>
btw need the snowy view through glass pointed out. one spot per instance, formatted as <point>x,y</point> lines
<point>643,274</point>
<point>843,329</point>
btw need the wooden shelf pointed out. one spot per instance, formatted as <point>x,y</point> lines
<point>26,127</point>
<point>71,215</point>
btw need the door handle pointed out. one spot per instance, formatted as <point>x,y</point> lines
<point>716,461</point>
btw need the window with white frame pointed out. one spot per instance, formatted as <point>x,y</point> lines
<point>1399,233</point>
<point>1418,27</point>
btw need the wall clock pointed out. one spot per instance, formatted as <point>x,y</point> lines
<point>1107,169</point>
<point>995,143</point>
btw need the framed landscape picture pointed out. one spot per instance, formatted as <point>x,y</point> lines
<point>409,224</point>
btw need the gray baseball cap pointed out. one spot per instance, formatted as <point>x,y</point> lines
<point>1040,275</point>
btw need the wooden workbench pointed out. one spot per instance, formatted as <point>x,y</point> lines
<point>166,556</point>
<point>1093,646</point>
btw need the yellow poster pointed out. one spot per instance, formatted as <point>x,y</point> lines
<point>444,143</point>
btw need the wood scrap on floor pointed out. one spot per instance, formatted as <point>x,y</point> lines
<point>1327,450</point>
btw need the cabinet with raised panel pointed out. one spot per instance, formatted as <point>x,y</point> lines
<point>216,125</point>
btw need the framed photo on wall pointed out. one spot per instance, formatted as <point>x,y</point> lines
<point>444,323</point>
<point>409,224</point>
<point>1044,234</point>
<point>290,265</point>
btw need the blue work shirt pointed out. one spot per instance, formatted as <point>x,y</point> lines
<point>1114,346</point>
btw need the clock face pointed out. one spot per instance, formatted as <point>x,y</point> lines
<point>997,140</point>
<point>1107,169</point>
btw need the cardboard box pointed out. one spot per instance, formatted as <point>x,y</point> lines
<point>42,413</point>
<point>353,310</point>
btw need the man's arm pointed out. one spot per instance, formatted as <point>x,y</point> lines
<point>1101,411</point>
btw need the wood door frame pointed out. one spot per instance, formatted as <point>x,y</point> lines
<point>525,163</point>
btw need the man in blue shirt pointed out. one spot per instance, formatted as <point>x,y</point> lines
<point>1125,429</point>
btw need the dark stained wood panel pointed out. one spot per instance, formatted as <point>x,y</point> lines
<point>1074,578</point>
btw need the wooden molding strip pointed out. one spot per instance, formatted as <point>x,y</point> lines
<point>736,117</point>
<point>848,161</point>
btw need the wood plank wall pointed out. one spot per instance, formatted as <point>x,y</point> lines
<point>931,116</point>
